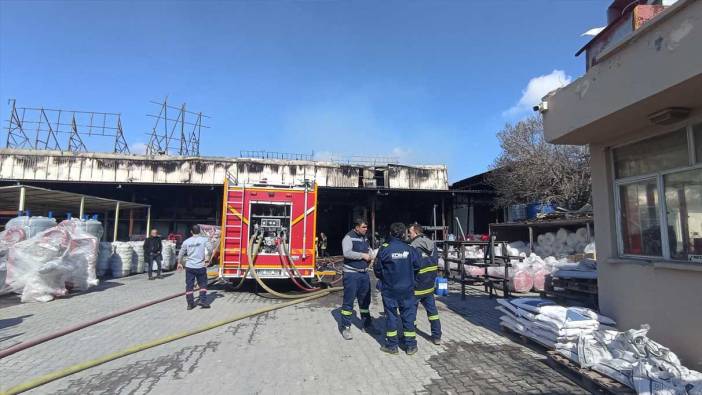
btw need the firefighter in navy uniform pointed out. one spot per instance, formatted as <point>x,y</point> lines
<point>357,257</point>
<point>395,269</point>
<point>424,281</point>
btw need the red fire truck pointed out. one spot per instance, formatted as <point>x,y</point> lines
<point>280,220</point>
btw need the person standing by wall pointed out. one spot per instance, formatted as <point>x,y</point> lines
<point>357,256</point>
<point>193,252</point>
<point>152,253</point>
<point>323,245</point>
<point>426,276</point>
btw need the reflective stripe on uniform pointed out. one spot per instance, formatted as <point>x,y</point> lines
<point>424,291</point>
<point>428,269</point>
<point>346,312</point>
<point>410,334</point>
<point>433,317</point>
<point>391,334</point>
<point>365,311</point>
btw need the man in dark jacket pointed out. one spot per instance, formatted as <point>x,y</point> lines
<point>357,256</point>
<point>395,269</point>
<point>152,253</point>
<point>424,281</point>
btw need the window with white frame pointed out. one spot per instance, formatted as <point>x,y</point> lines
<point>658,193</point>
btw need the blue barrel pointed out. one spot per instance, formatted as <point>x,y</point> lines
<point>441,286</point>
<point>536,208</point>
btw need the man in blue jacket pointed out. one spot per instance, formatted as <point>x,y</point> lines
<point>395,269</point>
<point>357,256</point>
<point>424,281</point>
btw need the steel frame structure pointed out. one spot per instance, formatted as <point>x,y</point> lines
<point>39,128</point>
<point>163,139</point>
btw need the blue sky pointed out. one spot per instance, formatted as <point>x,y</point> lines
<point>426,81</point>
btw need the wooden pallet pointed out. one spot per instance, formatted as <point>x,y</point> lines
<point>587,378</point>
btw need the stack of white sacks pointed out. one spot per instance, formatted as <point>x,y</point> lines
<point>168,253</point>
<point>591,341</point>
<point>120,259</point>
<point>549,324</point>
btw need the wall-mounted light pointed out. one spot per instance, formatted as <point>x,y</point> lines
<point>541,107</point>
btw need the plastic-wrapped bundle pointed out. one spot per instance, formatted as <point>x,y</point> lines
<point>8,238</point>
<point>31,225</point>
<point>168,255</point>
<point>549,239</point>
<point>105,251</point>
<point>521,279</point>
<point>121,262</point>
<point>91,226</point>
<point>51,263</point>
<point>474,252</point>
<point>138,265</point>
<point>539,279</point>
<point>474,271</point>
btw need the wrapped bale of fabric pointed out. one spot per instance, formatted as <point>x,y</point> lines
<point>90,226</point>
<point>168,253</point>
<point>121,261</point>
<point>474,271</point>
<point>539,279</point>
<point>520,277</point>
<point>105,251</point>
<point>8,238</point>
<point>31,226</point>
<point>138,263</point>
<point>51,263</point>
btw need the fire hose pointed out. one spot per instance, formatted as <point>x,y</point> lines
<point>39,381</point>
<point>252,264</point>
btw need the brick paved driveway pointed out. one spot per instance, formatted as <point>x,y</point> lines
<point>293,350</point>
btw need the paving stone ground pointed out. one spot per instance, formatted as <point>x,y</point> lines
<point>294,350</point>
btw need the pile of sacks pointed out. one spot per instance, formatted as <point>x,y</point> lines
<point>119,259</point>
<point>50,262</point>
<point>548,323</point>
<point>168,253</point>
<point>563,243</point>
<point>591,341</point>
<point>634,360</point>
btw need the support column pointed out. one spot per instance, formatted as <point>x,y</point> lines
<point>373,221</point>
<point>131,222</point>
<point>471,219</point>
<point>22,197</point>
<point>104,225</point>
<point>114,234</point>
<point>444,232</point>
<point>81,210</point>
<point>148,221</point>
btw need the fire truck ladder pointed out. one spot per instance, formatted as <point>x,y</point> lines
<point>234,222</point>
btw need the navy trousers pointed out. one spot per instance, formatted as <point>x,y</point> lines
<point>432,313</point>
<point>356,287</point>
<point>400,315</point>
<point>192,275</point>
